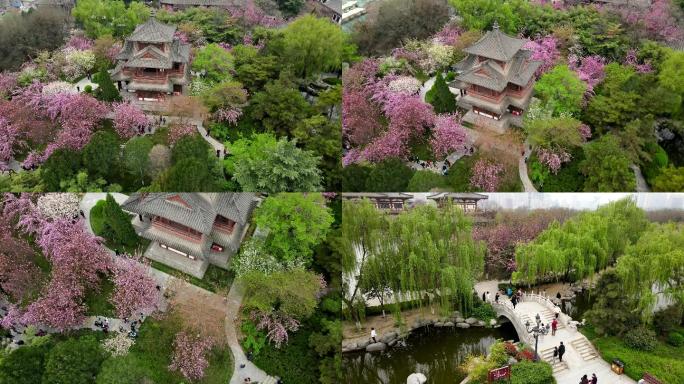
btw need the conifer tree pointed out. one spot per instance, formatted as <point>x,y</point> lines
<point>118,223</point>
<point>106,90</point>
<point>440,97</point>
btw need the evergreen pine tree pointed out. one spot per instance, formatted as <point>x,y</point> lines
<point>118,223</point>
<point>440,97</point>
<point>106,90</point>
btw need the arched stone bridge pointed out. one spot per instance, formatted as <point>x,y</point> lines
<point>580,355</point>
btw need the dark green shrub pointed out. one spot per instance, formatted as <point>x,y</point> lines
<point>424,181</point>
<point>24,365</point>
<point>254,340</point>
<point>641,338</point>
<point>354,177</point>
<point>659,160</point>
<point>667,319</point>
<point>568,179</point>
<point>450,76</point>
<point>75,361</point>
<point>675,339</point>
<point>528,372</point>
<point>88,88</point>
<point>483,312</point>
<point>389,175</point>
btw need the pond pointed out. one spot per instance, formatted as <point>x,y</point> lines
<point>435,352</point>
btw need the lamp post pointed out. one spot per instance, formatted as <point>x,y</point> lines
<point>536,331</point>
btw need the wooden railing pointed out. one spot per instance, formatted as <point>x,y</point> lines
<point>177,230</point>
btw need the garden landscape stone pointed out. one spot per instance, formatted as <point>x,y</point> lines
<point>376,347</point>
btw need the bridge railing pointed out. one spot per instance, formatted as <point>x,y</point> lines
<point>506,308</point>
<point>548,303</point>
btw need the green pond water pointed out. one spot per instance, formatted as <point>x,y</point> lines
<point>435,352</point>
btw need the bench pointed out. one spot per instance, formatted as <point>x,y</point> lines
<point>650,379</point>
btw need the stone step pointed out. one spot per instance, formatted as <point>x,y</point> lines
<point>585,349</point>
<point>556,365</point>
<point>269,380</point>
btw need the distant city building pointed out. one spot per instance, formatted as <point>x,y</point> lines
<point>340,11</point>
<point>496,80</point>
<point>152,64</point>
<point>189,231</point>
<point>390,202</point>
<point>466,200</point>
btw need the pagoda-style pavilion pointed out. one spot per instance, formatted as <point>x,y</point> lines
<point>390,202</point>
<point>465,200</point>
<point>153,63</point>
<point>189,231</point>
<point>496,80</point>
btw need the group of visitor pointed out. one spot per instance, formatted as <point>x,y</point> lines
<point>558,352</point>
<point>585,379</point>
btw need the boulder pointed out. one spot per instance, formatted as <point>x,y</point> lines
<point>459,320</point>
<point>416,378</point>
<point>386,338</point>
<point>463,325</point>
<point>376,347</point>
<point>438,324</point>
<point>492,322</point>
<point>471,320</point>
<point>362,344</point>
<point>392,343</point>
<point>448,324</point>
<point>480,323</point>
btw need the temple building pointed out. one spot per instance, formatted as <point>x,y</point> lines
<point>190,231</point>
<point>153,63</point>
<point>496,80</point>
<point>466,200</point>
<point>175,5</point>
<point>388,202</point>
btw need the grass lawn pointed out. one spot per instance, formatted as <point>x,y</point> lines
<point>97,302</point>
<point>665,362</point>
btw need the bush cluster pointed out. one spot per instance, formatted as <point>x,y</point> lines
<point>641,338</point>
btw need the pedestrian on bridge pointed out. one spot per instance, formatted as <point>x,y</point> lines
<point>496,298</point>
<point>561,352</point>
<point>554,326</point>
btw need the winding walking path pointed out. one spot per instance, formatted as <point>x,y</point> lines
<point>641,184</point>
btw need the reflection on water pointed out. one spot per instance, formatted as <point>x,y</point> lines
<point>435,352</point>
<point>576,307</point>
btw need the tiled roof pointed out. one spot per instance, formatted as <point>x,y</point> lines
<point>204,3</point>
<point>180,52</point>
<point>491,75</point>
<point>457,196</point>
<point>372,195</point>
<point>201,209</point>
<point>150,57</point>
<point>496,45</point>
<point>153,31</point>
<point>333,5</point>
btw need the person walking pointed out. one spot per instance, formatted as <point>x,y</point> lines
<point>489,297</point>
<point>554,326</point>
<point>584,380</point>
<point>374,335</point>
<point>496,298</point>
<point>594,379</point>
<point>561,351</point>
<point>514,301</point>
<point>555,355</point>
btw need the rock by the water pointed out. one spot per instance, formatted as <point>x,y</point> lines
<point>362,344</point>
<point>492,322</point>
<point>480,323</point>
<point>416,378</point>
<point>463,325</point>
<point>392,343</point>
<point>438,324</point>
<point>459,320</point>
<point>386,338</point>
<point>375,347</point>
<point>471,320</point>
<point>448,324</point>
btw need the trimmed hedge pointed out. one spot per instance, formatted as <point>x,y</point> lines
<point>528,372</point>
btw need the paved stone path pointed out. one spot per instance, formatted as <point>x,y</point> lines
<point>234,300</point>
<point>522,169</point>
<point>80,85</point>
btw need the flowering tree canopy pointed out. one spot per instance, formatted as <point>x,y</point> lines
<point>544,49</point>
<point>58,205</point>
<point>590,69</point>
<point>135,290</point>
<point>486,175</point>
<point>129,119</point>
<point>657,19</point>
<point>275,324</point>
<point>448,135</point>
<point>179,130</point>
<point>189,355</point>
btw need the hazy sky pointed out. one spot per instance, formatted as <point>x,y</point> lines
<point>648,201</point>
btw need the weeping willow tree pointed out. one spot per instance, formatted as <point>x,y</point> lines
<point>426,256</point>
<point>654,266</point>
<point>582,245</point>
<point>362,227</point>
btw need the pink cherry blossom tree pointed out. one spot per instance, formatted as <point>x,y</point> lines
<point>486,175</point>
<point>17,271</point>
<point>189,356</point>
<point>657,20</point>
<point>8,83</point>
<point>129,119</point>
<point>179,130</point>
<point>544,49</point>
<point>80,43</point>
<point>135,290</point>
<point>275,324</point>
<point>448,135</point>
<point>632,60</point>
<point>10,139</point>
<point>553,159</point>
<point>590,69</point>
<point>449,34</point>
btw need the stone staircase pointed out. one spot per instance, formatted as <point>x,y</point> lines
<point>546,315</point>
<point>269,380</point>
<point>547,355</point>
<point>584,348</point>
